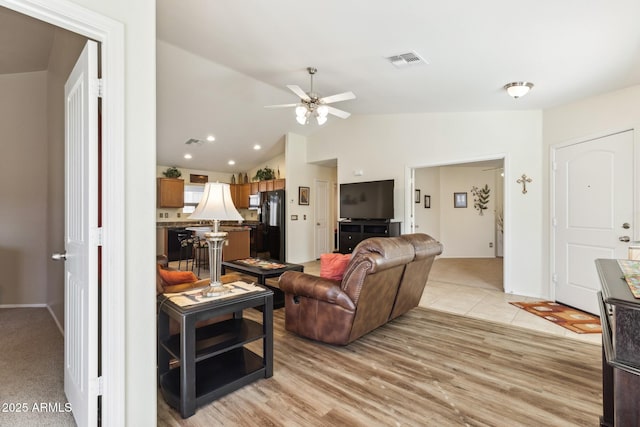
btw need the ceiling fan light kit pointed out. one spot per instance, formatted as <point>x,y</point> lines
<point>311,105</point>
<point>518,89</point>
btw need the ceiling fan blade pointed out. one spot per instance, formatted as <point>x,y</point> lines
<point>339,113</point>
<point>280,106</point>
<point>336,98</point>
<point>296,89</point>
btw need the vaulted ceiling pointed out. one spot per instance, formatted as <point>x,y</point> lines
<point>220,62</point>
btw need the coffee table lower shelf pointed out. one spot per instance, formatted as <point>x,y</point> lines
<point>216,376</point>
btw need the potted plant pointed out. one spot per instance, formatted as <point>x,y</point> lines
<point>264,174</point>
<point>172,172</point>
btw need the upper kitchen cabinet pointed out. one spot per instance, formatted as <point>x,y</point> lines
<point>170,193</point>
<point>240,195</point>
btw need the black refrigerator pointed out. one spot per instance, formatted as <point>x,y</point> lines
<point>272,226</point>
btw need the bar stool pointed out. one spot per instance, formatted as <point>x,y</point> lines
<point>186,250</point>
<point>201,248</point>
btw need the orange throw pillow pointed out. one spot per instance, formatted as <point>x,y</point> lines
<point>333,266</point>
<point>177,277</point>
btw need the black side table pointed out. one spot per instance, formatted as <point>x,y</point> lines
<point>213,359</point>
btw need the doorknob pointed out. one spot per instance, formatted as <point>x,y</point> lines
<point>624,238</point>
<point>626,226</point>
<point>59,257</point>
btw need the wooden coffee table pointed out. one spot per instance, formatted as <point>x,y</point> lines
<point>263,269</point>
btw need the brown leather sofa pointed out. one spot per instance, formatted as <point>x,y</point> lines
<point>384,279</point>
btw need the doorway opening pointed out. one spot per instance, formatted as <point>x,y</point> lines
<point>463,206</point>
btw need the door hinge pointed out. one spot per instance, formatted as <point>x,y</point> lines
<point>554,222</point>
<point>98,236</point>
<point>97,386</point>
<point>100,88</point>
<point>554,277</point>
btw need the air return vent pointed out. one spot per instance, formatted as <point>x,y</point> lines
<point>406,59</point>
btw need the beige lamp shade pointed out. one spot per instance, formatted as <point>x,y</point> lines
<point>216,204</point>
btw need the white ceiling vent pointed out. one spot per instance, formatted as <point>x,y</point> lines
<point>404,60</point>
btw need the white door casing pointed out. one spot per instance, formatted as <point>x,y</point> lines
<point>593,200</point>
<point>81,237</point>
<point>322,218</point>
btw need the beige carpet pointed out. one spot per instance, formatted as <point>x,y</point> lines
<point>483,273</point>
<point>31,370</point>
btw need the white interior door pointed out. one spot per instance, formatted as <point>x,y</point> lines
<point>322,218</point>
<point>593,214</point>
<point>81,242</point>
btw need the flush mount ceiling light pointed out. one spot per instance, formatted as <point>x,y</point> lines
<point>518,89</point>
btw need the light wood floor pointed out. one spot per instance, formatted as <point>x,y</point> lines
<point>426,368</point>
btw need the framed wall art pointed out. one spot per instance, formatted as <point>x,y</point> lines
<point>459,200</point>
<point>303,195</point>
<point>427,201</point>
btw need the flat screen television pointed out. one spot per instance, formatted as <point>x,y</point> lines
<point>367,200</point>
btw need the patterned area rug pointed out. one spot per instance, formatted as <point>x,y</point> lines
<point>567,317</point>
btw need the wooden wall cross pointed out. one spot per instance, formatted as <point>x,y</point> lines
<point>523,180</point>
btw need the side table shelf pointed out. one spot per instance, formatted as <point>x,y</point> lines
<point>212,360</point>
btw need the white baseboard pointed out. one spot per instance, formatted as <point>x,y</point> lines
<point>55,319</point>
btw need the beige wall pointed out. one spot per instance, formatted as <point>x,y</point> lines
<point>65,49</point>
<point>23,188</point>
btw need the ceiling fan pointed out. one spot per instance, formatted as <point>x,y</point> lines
<point>311,105</point>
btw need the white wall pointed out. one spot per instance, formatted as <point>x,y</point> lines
<point>300,233</point>
<point>580,121</point>
<point>384,147</point>
<point>428,220</point>
<point>140,161</point>
<point>23,188</point>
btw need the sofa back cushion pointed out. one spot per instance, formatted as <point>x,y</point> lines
<point>372,279</point>
<point>416,272</point>
<point>333,266</point>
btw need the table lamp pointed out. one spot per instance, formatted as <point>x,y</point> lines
<point>216,205</point>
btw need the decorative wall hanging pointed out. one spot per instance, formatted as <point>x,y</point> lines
<point>427,201</point>
<point>524,179</point>
<point>303,195</point>
<point>459,200</point>
<point>417,198</point>
<point>480,198</point>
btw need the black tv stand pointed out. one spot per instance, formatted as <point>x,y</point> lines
<point>352,232</point>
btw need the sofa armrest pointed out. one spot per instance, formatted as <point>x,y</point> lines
<point>319,288</point>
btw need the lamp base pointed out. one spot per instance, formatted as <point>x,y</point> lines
<point>215,290</point>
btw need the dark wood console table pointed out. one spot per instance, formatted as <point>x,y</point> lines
<point>213,359</point>
<point>620,318</point>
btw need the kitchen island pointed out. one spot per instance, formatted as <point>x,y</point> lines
<point>236,247</point>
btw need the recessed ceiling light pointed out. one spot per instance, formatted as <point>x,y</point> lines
<point>257,147</point>
<point>231,162</point>
<point>187,156</point>
<point>211,138</point>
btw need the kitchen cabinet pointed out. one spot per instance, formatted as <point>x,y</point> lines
<point>255,187</point>
<point>170,193</point>
<point>240,195</point>
<point>269,185</point>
